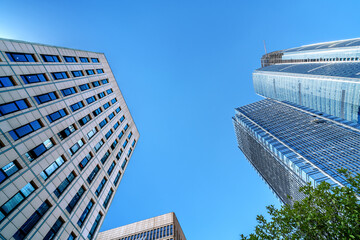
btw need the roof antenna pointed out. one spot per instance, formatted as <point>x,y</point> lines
<point>265,47</point>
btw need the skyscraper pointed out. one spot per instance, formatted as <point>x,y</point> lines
<point>308,127</point>
<point>164,227</point>
<point>66,138</point>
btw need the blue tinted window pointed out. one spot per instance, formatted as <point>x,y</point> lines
<point>118,155</point>
<point>107,199</point>
<point>17,199</point>
<point>125,143</point>
<point>111,168</point>
<point>109,91</point>
<point>68,91</point>
<point>39,150</point>
<point>116,125</point>
<point>117,178</point>
<point>56,115</point>
<point>105,157</point>
<point>95,60</point>
<point>96,84</point>
<point>59,75</point>
<point>47,97</point>
<point>114,100</point>
<point>84,59</point>
<point>21,57</point>
<point>31,221</point>
<point>54,229</point>
<point>11,107</point>
<point>52,168</point>
<point>133,143</point>
<point>130,134</point>
<point>75,199</point>
<point>121,134</point>
<point>129,152</point>
<point>85,161</point>
<point>93,174</point>
<point>101,95</point>
<point>84,87</point>
<point>91,99</point>
<point>113,145</point>
<point>111,115</point>
<point>103,123</point>
<point>25,129</point>
<point>50,58</point>
<point>106,105</point>
<point>126,127</point>
<point>108,134</point>
<point>8,170</point>
<point>99,71</point>
<point>6,82</point>
<point>90,72</point>
<point>122,118</point>
<point>33,78</point>
<point>94,227</point>
<point>104,81</point>
<point>97,112</point>
<point>76,106</point>
<point>100,187</point>
<point>64,184</point>
<point>76,147</point>
<point>98,145</point>
<point>117,110</point>
<point>124,164</point>
<point>84,120</point>
<point>77,73</point>
<point>85,214</point>
<point>70,59</point>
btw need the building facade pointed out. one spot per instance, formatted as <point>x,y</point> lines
<point>66,137</point>
<point>309,125</point>
<point>164,227</point>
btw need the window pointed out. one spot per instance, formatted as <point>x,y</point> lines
<point>111,115</point>
<point>126,127</point>
<point>101,95</point>
<point>70,59</point>
<point>130,134</point>
<point>91,99</point>
<point>97,112</point>
<point>133,143</point>
<point>111,168</point>
<point>109,91</point>
<point>72,236</point>
<point>76,147</point>
<point>33,78</point>
<point>75,199</point>
<point>64,184</point>
<point>100,71</point>
<point>21,57</point>
<point>95,60</point>
<point>8,170</point>
<point>85,161</point>
<point>17,199</point>
<point>94,226</point>
<point>103,123</point>
<point>32,221</point>
<point>54,229</point>
<point>116,125</point>
<point>113,145</point>
<point>106,105</point>
<point>67,132</point>
<point>96,84</point>
<point>77,73</point>
<point>118,110</point>
<point>121,134</point>
<point>68,91</point>
<point>107,199</point>
<point>90,72</point>
<point>124,164</point>
<point>108,134</point>
<point>56,115</point>
<point>11,107</point>
<point>104,81</point>
<point>44,98</point>
<point>100,187</point>
<point>52,168</point>
<point>119,154</point>
<point>85,213</point>
<point>129,152</point>
<point>105,157</point>
<point>76,106</point>
<point>114,100</point>
<point>50,58</point>
<point>117,178</point>
<point>99,145</point>
<point>6,82</point>
<point>125,143</point>
<point>59,75</point>
<point>84,87</point>
<point>91,133</point>
<point>25,129</point>
<point>84,59</point>
<point>122,118</point>
<point>39,150</point>
<point>84,120</point>
<point>93,174</point>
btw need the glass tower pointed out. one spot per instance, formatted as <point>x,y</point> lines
<point>66,137</point>
<point>308,127</point>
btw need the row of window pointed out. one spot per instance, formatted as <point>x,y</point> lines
<point>152,234</point>
<point>30,57</point>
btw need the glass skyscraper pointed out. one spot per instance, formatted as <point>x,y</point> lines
<point>308,127</point>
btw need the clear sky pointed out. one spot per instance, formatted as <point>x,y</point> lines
<point>183,66</point>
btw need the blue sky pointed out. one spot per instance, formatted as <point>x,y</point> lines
<point>183,66</point>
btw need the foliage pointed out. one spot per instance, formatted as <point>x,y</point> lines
<point>325,213</point>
